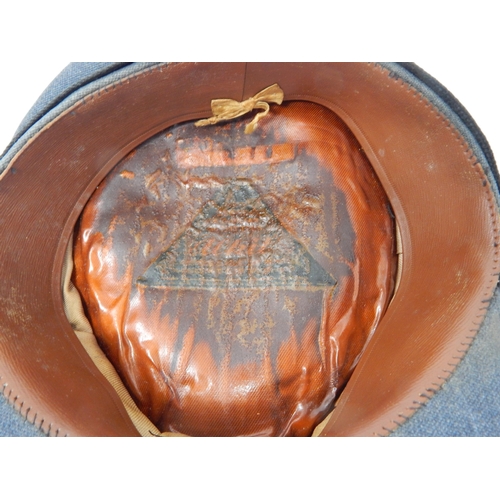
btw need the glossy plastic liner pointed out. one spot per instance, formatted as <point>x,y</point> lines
<point>234,280</point>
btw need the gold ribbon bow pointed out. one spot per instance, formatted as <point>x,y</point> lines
<point>227,109</point>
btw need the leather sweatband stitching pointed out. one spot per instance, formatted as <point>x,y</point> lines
<point>489,290</point>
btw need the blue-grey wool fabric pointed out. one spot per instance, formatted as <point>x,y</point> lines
<point>468,403</point>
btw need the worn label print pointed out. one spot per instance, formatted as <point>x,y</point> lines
<point>236,242</point>
<point>232,279</point>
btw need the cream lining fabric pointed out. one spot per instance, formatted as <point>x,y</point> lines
<point>74,312</point>
<point>81,326</point>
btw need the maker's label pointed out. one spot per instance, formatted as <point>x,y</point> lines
<point>236,242</point>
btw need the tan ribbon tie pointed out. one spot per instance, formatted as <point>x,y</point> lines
<point>228,109</point>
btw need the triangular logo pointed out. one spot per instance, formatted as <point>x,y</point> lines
<point>236,242</point>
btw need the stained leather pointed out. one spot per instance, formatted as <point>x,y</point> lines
<point>441,198</point>
<point>234,279</point>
